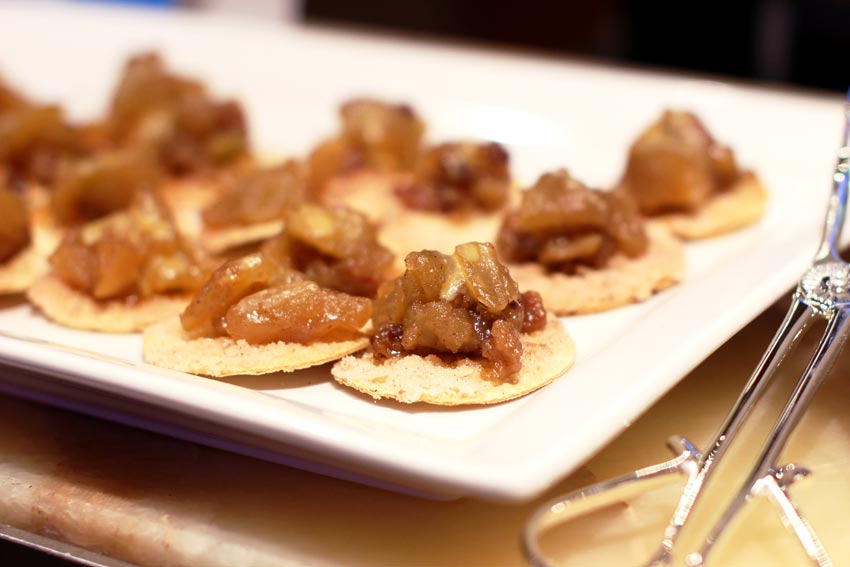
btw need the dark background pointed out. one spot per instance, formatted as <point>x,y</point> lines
<point>800,43</point>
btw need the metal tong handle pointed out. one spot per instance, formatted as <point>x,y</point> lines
<point>837,204</point>
<point>822,291</point>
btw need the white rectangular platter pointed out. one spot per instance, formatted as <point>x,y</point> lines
<point>549,113</point>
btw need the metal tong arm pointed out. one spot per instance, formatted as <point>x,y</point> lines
<point>766,477</point>
<point>837,204</point>
<point>611,491</point>
<point>797,318</point>
<point>816,294</point>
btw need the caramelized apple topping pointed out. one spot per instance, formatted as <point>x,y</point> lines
<point>374,134</point>
<point>466,303</point>
<point>259,195</point>
<point>10,99</point>
<point>562,224</point>
<point>34,138</point>
<point>676,165</point>
<point>107,182</point>
<point>299,312</point>
<point>336,247</point>
<point>14,224</point>
<point>176,116</point>
<point>256,299</point>
<point>130,255</point>
<point>459,176</point>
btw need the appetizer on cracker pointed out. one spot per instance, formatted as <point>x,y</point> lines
<point>14,224</point>
<point>240,208</point>
<point>375,136</point>
<point>121,272</point>
<point>175,117</point>
<point>586,250</point>
<point>455,195</point>
<point>34,138</point>
<point>93,187</point>
<point>421,197</point>
<point>27,237</point>
<point>256,316</point>
<point>456,330</point>
<point>258,196</point>
<point>458,177</point>
<point>678,174</point>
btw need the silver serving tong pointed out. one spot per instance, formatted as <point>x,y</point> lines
<point>823,292</point>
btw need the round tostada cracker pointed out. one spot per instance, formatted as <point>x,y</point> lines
<point>623,281</point>
<point>367,191</point>
<point>72,308</point>
<point>185,200</point>
<point>401,229</point>
<point>188,199</point>
<point>546,355</point>
<point>741,205</point>
<point>168,346</point>
<point>415,230</point>
<point>220,240</point>
<point>19,272</point>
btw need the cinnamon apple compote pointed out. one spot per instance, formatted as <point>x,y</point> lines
<point>676,165</point>
<point>130,255</point>
<point>92,187</point>
<point>256,299</point>
<point>562,224</point>
<point>336,247</point>
<point>375,135</point>
<point>258,195</point>
<point>14,224</point>
<point>459,176</point>
<point>34,138</point>
<point>176,116</point>
<point>465,304</point>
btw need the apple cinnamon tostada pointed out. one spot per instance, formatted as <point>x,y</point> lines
<point>374,137</point>
<point>680,175</point>
<point>456,330</point>
<point>188,130</point>
<point>421,197</point>
<point>107,182</point>
<point>27,238</point>
<point>299,302</point>
<point>378,145</point>
<point>255,316</point>
<point>35,139</point>
<point>586,250</point>
<point>121,272</point>
<point>239,208</point>
<point>456,194</point>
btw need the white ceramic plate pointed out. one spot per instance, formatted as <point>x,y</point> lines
<point>550,114</point>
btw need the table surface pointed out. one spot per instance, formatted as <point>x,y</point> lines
<point>153,500</point>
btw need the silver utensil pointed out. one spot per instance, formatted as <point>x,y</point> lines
<point>822,293</point>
